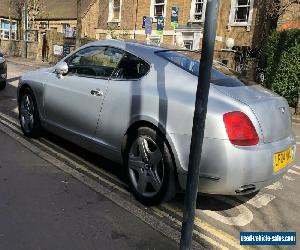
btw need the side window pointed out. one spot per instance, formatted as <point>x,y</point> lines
<point>95,61</point>
<point>131,67</point>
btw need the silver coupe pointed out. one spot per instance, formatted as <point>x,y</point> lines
<point>134,104</point>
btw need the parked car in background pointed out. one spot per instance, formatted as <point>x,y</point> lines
<point>3,72</point>
<point>134,104</point>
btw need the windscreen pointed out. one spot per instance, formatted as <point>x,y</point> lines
<point>189,61</point>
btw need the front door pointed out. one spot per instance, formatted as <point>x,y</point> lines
<point>74,101</point>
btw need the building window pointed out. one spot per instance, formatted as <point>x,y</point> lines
<point>43,25</point>
<point>242,9</point>
<point>65,27</point>
<point>197,12</point>
<point>188,44</point>
<point>8,30</point>
<point>241,13</point>
<point>158,8</point>
<point>114,14</point>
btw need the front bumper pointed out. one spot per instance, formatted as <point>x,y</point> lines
<point>229,170</point>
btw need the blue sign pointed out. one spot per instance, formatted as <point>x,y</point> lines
<point>160,24</point>
<point>148,25</point>
<point>268,238</point>
<point>174,16</point>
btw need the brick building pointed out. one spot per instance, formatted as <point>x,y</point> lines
<point>237,21</point>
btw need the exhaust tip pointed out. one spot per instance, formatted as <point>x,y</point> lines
<point>246,189</point>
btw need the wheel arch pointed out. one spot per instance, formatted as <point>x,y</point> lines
<point>22,89</point>
<point>162,131</point>
<point>38,97</point>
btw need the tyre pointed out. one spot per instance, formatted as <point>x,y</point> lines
<point>28,114</point>
<point>2,85</point>
<point>150,167</point>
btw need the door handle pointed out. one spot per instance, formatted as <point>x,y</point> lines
<point>96,92</point>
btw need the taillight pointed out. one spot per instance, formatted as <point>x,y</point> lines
<point>240,129</point>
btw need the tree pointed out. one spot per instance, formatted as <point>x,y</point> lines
<point>16,8</point>
<point>277,8</point>
<point>271,12</point>
<point>34,9</point>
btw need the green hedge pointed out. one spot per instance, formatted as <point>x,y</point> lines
<point>283,64</point>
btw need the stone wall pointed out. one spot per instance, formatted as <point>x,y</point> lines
<point>10,48</point>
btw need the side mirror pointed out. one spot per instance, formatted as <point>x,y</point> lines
<point>61,68</point>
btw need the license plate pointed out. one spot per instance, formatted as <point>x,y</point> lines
<point>281,159</point>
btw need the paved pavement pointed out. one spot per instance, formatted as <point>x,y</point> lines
<point>219,219</point>
<point>43,207</point>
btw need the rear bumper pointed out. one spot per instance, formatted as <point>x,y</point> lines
<point>229,170</point>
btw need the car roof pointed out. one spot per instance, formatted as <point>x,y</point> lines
<point>140,49</point>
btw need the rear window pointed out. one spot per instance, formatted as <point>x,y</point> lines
<point>189,61</point>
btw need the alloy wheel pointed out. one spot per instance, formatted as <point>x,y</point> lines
<point>27,113</point>
<point>146,168</point>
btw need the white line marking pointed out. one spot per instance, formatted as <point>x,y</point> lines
<point>201,235</point>
<point>293,172</point>
<point>229,239</point>
<point>297,167</point>
<point>259,200</point>
<point>275,186</point>
<point>288,178</point>
<point>244,218</point>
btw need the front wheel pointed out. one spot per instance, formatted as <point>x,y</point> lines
<point>28,114</point>
<point>150,167</point>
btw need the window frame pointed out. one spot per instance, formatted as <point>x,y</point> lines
<point>233,9</point>
<point>193,11</point>
<point>111,7</point>
<point>72,56</point>
<point>133,79</point>
<point>152,9</point>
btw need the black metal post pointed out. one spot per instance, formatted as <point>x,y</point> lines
<point>204,78</point>
<point>78,25</point>
<point>26,26</point>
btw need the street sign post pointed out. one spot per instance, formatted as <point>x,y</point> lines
<point>148,25</point>
<point>204,78</point>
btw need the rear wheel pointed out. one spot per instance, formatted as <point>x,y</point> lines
<point>28,114</point>
<point>2,85</point>
<point>150,167</point>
